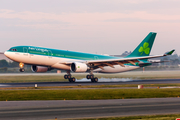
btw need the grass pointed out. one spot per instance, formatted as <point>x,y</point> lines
<point>79,86</point>
<point>30,78</point>
<point>86,94</point>
<point>148,117</point>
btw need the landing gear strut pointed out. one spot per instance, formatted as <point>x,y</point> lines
<point>68,76</point>
<point>91,76</point>
<point>21,65</point>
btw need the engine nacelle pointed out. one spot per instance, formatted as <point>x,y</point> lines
<point>79,67</point>
<point>35,68</point>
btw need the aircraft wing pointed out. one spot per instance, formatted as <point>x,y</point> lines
<point>122,61</point>
<point>111,62</point>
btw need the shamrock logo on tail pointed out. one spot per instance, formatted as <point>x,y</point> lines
<point>145,48</point>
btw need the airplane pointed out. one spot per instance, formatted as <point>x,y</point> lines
<point>45,59</point>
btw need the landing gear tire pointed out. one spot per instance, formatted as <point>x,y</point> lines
<point>72,79</point>
<point>21,69</point>
<point>67,76</point>
<point>90,76</point>
<point>94,79</point>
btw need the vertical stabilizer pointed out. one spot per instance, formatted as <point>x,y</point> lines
<point>144,48</point>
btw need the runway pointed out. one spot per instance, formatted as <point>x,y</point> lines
<point>87,108</point>
<point>31,84</point>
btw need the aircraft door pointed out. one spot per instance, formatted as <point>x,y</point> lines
<point>95,57</point>
<point>50,54</point>
<point>25,51</point>
<point>48,59</point>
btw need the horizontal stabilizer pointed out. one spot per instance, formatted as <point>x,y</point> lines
<point>161,61</point>
<point>169,53</point>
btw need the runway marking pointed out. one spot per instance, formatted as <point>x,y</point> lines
<point>170,87</point>
<point>2,85</point>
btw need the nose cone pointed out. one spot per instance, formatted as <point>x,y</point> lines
<point>10,55</point>
<point>6,53</point>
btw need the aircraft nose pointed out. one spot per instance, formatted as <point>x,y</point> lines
<point>9,54</point>
<point>6,54</point>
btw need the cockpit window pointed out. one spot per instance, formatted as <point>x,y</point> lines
<point>12,49</point>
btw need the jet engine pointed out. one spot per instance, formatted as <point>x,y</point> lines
<point>35,68</point>
<point>79,67</point>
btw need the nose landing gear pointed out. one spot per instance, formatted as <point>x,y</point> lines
<point>90,76</point>
<point>21,65</point>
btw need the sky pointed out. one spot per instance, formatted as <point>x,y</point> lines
<point>92,26</point>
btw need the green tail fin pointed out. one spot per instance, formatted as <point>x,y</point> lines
<point>144,48</point>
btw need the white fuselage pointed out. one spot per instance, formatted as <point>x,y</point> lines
<point>57,62</point>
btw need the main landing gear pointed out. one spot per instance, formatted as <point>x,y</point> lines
<point>91,76</point>
<point>93,79</point>
<point>68,76</point>
<point>21,65</point>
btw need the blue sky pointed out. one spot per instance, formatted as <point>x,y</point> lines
<point>94,26</point>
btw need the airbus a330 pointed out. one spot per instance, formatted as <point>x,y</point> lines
<point>44,59</point>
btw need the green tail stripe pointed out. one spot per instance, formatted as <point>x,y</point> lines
<point>144,48</point>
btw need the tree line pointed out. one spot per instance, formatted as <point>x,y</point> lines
<point>4,63</point>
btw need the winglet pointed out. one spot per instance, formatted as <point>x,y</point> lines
<point>169,53</point>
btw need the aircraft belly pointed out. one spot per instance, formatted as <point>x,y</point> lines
<point>36,59</point>
<point>61,66</point>
<point>118,68</point>
<point>43,60</point>
<point>19,57</point>
<point>27,58</point>
<point>32,59</point>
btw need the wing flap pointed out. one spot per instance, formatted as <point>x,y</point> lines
<point>122,61</point>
